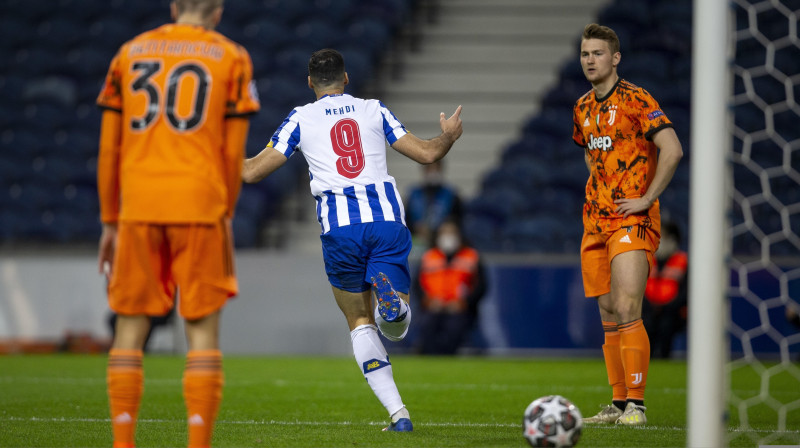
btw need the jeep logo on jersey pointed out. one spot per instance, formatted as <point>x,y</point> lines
<point>602,143</point>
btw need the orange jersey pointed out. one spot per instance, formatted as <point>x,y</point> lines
<point>174,86</point>
<point>444,280</point>
<point>617,133</point>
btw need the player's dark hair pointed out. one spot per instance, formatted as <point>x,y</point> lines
<point>595,31</point>
<point>326,67</point>
<point>204,7</point>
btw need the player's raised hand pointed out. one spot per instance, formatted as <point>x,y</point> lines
<point>429,151</point>
<point>452,125</point>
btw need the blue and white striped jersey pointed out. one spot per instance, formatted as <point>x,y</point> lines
<point>343,139</point>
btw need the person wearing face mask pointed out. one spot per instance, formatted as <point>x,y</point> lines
<point>431,203</point>
<point>664,311</point>
<point>451,282</point>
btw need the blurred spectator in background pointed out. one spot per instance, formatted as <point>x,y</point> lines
<point>451,282</point>
<point>664,311</point>
<point>431,203</point>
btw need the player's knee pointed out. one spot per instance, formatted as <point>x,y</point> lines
<point>606,306</point>
<point>628,310</point>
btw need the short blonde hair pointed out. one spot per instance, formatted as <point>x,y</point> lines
<point>595,31</point>
<point>204,7</point>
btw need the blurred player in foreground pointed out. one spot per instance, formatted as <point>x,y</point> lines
<point>176,101</point>
<point>365,242</point>
<point>631,152</point>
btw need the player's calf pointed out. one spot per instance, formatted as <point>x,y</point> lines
<point>374,362</point>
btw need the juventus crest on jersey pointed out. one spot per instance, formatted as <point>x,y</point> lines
<point>343,139</point>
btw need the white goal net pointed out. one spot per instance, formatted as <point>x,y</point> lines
<point>764,224</point>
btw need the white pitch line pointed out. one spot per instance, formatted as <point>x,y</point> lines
<point>253,422</point>
<point>349,423</point>
<point>172,382</point>
<point>285,383</point>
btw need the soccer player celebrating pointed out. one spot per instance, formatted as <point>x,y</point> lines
<point>365,242</point>
<point>176,101</point>
<point>631,152</point>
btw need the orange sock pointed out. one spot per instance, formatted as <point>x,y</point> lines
<point>635,347</point>
<point>611,354</point>
<point>202,392</point>
<point>125,379</point>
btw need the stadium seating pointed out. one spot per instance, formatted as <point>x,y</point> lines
<point>656,41</point>
<point>16,33</point>
<point>539,233</point>
<point>57,54</point>
<point>656,45</point>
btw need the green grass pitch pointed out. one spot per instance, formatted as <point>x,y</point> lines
<point>60,400</point>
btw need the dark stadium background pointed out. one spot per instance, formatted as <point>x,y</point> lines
<point>525,215</point>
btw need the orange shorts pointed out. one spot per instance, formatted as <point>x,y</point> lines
<point>597,251</point>
<point>152,260</point>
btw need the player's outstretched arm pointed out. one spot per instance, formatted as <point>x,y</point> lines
<point>429,151</point>
<point>262,165</point>
<point>670,153</point>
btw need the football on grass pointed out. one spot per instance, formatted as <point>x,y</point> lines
<point>552,421</point>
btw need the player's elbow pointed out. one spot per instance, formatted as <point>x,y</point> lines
<point>249,174</point>
<point>676,152</point>
<point>433,151</point>
<point>428,157</point>
<point>668,142</point>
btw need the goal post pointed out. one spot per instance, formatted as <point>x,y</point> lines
<point>744,219</point>
<point>708,226</point>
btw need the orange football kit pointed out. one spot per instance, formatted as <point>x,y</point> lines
<point>616,131</point>
<point>169,173</point>
<point>169,168</point>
